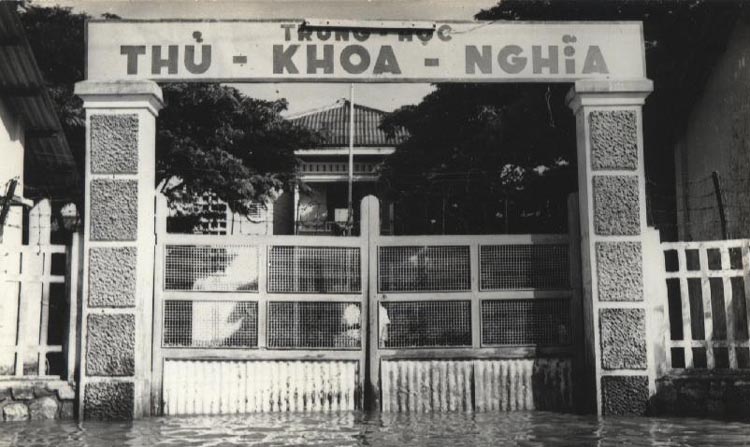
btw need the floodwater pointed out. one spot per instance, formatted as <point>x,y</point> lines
<point>358,429</point>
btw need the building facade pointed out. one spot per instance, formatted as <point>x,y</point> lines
<point>37,174</point>
<point>322,207</point>
<point>717,139</point>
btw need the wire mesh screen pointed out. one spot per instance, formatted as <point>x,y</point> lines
<point>335,325</point>
<point>523,267</point>
<point>526,322</point>
<point>422,269</point>
<point>425,324</point>
<point>210,324</point>
<point>211,268</point>
<point>293,269</point>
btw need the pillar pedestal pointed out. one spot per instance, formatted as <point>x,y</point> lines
<point>116,319</point>
<point>612,197</point>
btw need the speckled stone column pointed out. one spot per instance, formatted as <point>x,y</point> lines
<point>612,199</point>
<point>116,323</point>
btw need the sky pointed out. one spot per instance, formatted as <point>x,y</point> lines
<point>301,97</point>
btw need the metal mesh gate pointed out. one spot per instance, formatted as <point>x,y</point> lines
<point>445,302</point>
<point>339,308</point>
<point>229,304</point>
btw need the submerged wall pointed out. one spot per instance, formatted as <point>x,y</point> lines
<point>37,400</point>
<point>706,395</point>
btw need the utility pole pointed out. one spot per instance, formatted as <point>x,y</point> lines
<point>350,212</point>
<point>720,205</point>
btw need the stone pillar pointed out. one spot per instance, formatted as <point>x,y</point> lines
<point>116,323</point>
<point>611,185</point>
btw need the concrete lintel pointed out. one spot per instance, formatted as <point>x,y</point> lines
<point>121,94</point>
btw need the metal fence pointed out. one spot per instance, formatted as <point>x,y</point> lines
<point>243,301</point>
<point>707,288</point>
<point>237,300</point>
<point>454,304</point>
<point>479,292</point>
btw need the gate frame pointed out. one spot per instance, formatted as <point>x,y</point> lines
<point>475,296</point>
<point>260,352</point>
<point>119,218</point>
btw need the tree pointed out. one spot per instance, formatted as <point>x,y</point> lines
<point>210,137</point>
<point>478,153</point>
<point>56,36</point>
<point>683,41</point>
<point>214,138</point>
<point>482,151</point>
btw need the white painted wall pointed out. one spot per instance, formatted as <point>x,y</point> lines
<point>11,166</point>
<point>260,225</point>
<point>11,154</point>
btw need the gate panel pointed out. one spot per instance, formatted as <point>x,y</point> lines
<point>427,386</point>
<point>297,323</point>
<point>246,386</point>
<point>473,322</point>
<point>258,323</point>
<point>523,384</point>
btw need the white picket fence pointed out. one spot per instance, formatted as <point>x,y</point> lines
<point>38,291</point>
<point>707,286</point>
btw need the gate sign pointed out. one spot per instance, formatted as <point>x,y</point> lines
<point>275,51</point>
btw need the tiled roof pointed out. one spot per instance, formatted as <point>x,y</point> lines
<point>332,123</point>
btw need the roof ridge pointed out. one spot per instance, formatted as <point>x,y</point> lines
<point>338,103</point>
<point>314,111</point>
<point>362,106</point>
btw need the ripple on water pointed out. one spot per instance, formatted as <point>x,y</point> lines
<point>358,429</point>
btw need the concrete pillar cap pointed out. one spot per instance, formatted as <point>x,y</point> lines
<point>120,94</point>
<point>609,92</point>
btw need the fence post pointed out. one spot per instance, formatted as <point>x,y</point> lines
<point>160,230</point>
<point>40,218</point>
<point>655,294</point>
<point>583,363</point>
<point>74,255</point>
<point>370,232</point>
<point>34,305</point>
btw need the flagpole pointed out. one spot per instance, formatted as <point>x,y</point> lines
<point>350,217</point>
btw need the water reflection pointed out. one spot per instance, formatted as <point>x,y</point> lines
<point>357,429</point>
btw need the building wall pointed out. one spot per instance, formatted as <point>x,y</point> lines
<point>11,165</point>
<point>718,139</point>
<point>216,217</point>
<point>258,224</point>
<point>36,400</point>
<point>11,154</point>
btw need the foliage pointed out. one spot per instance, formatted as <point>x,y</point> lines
<point>213,138</point>
<point>210,137</point>
<point>683,41</point>
<point>475,150</point>
<point>56,36</point>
